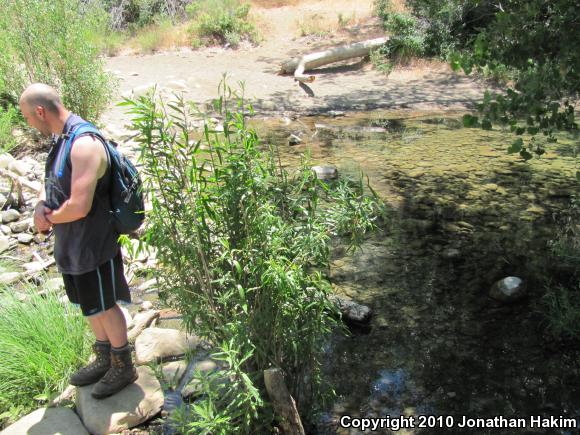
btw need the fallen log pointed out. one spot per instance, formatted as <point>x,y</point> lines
<point>299,65</point>
<point>284,405</point>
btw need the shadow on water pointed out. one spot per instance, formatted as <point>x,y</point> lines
<point>466,216</point>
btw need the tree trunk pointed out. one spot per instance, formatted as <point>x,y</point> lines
<point>284,404</point>
<point>299,65</point>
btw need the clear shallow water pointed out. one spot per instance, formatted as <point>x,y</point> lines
<point>464,214</point>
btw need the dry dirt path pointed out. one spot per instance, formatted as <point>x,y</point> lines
<point>346,86</point>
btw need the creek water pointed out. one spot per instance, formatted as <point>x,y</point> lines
<point>463,214</point>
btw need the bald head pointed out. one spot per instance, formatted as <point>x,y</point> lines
<point>39,94</point>
<point>42,108</point>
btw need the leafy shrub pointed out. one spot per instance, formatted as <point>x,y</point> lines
<point>406,38</point>
<point>221,21</point>
<point>7,120</point>
<point>42,341</point>
<point>49,42</point>
<point>242,245</point>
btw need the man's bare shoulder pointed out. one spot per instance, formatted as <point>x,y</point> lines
<point>88,146</point>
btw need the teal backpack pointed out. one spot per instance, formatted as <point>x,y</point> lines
<point>127,202</point>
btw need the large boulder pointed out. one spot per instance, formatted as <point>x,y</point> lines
<point>133,405</point>
<point>157,344</point>
<point>48,421</point>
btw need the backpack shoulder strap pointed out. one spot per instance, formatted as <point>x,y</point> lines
<point>79,130</point>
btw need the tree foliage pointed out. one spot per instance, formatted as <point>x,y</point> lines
<point>531,46</point>
<point>48,41</point>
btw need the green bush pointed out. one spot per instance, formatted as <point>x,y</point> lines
<point>221,21</point>
<point>8,119</point>
<point>242,247</point>
<point>42,341</point>
<point>42,41</point>
<point>406,38</point>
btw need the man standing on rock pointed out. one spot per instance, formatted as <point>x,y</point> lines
<point>75,204</point>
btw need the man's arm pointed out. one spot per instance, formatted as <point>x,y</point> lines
<point>89,160</point>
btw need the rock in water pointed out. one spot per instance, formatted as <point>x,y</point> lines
<point>133,405</point>
<point>62,421</point>
<point>509,289</point>
<point>325,172</point>
<point>352,313</point>
<point>294,140</point>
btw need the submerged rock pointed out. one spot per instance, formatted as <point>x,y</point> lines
<point>509,289</point>
<point>62,421</point>
<point>294,139</point>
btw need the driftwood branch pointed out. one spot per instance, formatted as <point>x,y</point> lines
<point>299,65</point>
<point>32,185</point>
<point>284,404</point>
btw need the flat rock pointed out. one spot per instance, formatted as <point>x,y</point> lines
<point>140,322</point>
<point>10,216</point>
<point>130,407</point>
<point>48,421</point>
<point>25,238</point>
<point>155,344</point>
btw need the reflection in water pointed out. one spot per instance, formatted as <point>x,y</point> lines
<point>465,214</point>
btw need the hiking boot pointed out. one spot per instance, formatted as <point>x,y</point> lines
<point>121,374</point>
<point>95,370</point>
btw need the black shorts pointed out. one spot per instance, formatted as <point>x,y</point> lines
<point>100,289</point>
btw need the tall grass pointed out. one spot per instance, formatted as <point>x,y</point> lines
<point>42,341</point>
<point>243,248</point>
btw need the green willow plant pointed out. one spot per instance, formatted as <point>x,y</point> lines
<point>243,248</point>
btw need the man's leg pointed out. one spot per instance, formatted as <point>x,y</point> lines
<point>113,325</point>
<point>98,329</point>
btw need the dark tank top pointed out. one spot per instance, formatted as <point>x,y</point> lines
<point>83,245</point>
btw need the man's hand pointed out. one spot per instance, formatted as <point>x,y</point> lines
<point>40,221</point>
